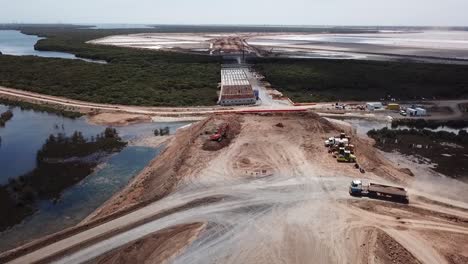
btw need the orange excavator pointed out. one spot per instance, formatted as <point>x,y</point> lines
<point>220,133</point>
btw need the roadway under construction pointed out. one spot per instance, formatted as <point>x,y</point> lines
<point>272,195</point>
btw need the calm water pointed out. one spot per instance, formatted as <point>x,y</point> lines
<point>363,126</point>
<point>13,42</point>
<point>24,135</point>
<point>119,26</point>
<point>27,131</point>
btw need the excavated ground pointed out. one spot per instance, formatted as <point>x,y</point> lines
<point>291,202</point>
<point>284,199</point>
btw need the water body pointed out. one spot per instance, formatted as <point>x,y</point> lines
<point>25,134</point>
<point>118,26</point>
<point>13,42</point>
<point>363,126</point>
<point>27,131</point>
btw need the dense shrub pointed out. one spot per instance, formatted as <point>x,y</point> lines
<point>461,137</point>
<point>132,77</point>
<point>433,124</point>
<point>306,80</point>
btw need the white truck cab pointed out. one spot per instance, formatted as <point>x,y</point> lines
<point>336,141</point>
<point>330,142</point>
<point>356,187</point>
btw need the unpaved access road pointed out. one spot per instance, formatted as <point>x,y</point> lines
<point>119,114</point>
<point>273,195</point>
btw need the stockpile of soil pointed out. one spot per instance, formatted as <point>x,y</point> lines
<point>234,127</point>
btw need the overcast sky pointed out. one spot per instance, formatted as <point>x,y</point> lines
<point>284,12</point>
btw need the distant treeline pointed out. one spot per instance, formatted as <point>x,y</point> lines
<point>131,77</point>
<point>41,108</point>
<point>54,173</point>
<point>311,80</point>
<point>159,78</point>
<point>433,124</point>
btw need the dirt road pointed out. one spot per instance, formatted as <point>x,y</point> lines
<point>273,195</point>
<point>123,114</point>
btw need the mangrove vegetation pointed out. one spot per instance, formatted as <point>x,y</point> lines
<point>62,162</point>
<point>310,80</point>
<point>131,77</point>
<point>5,117</point>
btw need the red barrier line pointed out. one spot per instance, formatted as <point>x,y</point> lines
<point>264,111</point>
<point>304,104</point>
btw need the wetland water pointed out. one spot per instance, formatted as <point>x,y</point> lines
<point>25,134</point>
<point>13,42</point>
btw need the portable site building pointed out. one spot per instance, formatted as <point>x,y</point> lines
<point>393,107</point>
<point>416,111</point>
<point>374,106</point>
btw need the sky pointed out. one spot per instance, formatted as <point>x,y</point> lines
<point>252,12</point>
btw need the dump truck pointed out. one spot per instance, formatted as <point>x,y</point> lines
<point>220,133</point>
<point>378,191</point>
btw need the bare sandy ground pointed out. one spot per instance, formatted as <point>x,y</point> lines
<point>281,199</point>
<point>294,221</point>
<point>118,119</point>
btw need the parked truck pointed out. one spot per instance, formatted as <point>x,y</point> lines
<point>378,191</point>
<point>336,141</point>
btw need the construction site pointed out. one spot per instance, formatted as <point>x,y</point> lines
<point>268,188</point>
<point>261,179</point>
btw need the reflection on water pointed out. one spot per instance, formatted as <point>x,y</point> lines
<point>13,42</point>
<point>363,126</point>
<point>25,134</point>
<point>82,199</point>
<point>27,131</point>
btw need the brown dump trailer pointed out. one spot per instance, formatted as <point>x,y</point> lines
<point>379,191</point>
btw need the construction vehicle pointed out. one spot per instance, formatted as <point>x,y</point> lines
<point>220,133</point>
<point>345,156</point>
<point>350,148</point>
<point>342,139</point>
<point>336,141</point>
<point>378,191</point>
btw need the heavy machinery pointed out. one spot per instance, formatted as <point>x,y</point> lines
<point>342,140</point>
<point>378,191</point>
<point>345,156</point>
<point>336,141</point>
<point>220,133</point>
<point>350,148</point>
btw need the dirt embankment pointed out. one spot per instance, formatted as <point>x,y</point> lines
<point>155,248</point>
<point>375,165</point>
<point>285,155</point>
<point>160,177</point>
<point>187,154</point>
<point>387,250</point>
